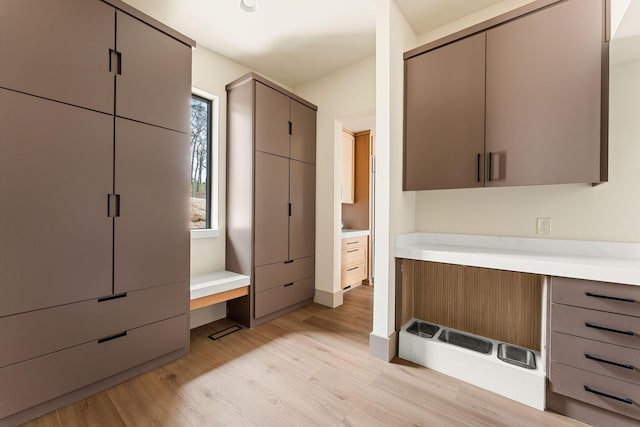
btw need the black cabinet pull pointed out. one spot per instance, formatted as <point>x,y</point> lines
<point>490,165</point>
<point>288,284</point>
<point>603,328</point>
<point>353,250</point>
<point>609,362</point>
<point>478,166</point>
<point>112,297</point>
<point>112,337</point>
<point>589,294</point>
<point>609,396</point>
<point>289,261</point>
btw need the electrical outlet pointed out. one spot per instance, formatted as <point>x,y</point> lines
<point>543,225</point>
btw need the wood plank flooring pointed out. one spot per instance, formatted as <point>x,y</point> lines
<point>308,368</point>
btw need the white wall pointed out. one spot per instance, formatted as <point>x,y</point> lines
<point>395,209</point>
<point>340,94</point>
<point>211,72</point>
<point>605,212</point>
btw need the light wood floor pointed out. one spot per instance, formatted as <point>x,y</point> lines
<point>309,368</point>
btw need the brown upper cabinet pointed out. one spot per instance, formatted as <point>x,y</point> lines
<point>100,47</point>
<point>285,127</point>
<point>521,99</point>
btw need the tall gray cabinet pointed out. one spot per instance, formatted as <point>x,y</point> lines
<point>271,172</point>
<point>94,255</point>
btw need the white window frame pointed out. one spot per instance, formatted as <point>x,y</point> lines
<point>213,230</point>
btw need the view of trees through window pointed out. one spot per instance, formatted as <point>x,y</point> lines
<point>200,158</point>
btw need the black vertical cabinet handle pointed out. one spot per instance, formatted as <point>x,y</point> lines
<point>478,166</point>
<point>490,165</point>
<point>607,395</point>
<point>589,294</point>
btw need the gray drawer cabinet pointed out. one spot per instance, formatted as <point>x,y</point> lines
<point>521,99</point>
<point>271,182</point>
<point>594,351</point>
<point>94,261</point>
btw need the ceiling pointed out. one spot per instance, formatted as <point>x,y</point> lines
<point>294,41</point>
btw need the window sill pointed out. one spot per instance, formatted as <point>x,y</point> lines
<point>204,233</point>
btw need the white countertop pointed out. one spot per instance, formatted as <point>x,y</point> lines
<point>591,260</point>
<point>216,282</point>
<point>348,233</point>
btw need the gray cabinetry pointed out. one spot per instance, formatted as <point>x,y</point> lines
<point>94,260</point>
<point>58,50</point>
<point>444,117</point>
<point>544,96</point>
<point>271,175</point>
<point>520,99</point>
<point>593,351</point>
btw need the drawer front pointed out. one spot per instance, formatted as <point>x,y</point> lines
<point>274,275</point>
<point>272,300</point>
<point>37,380</point>
<point>353,275</point>
<point>596,325</point>
<point>605,359</point>
<point>611,297</point>
<point>40,332</point>
<point>586,386</point>
<point>354,242</point>
<point>354,256</point>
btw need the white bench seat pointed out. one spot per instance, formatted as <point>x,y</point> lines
<point>219,286</point>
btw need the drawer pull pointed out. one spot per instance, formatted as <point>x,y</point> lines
<point>597,359</point>
<point>610,396</point>
<point>112,337</point>
<point>288,284</point>
<point>602,328</point>
<point>112,297</point>
<point>289,261</point>
<point>353,250</point>
<point>352,243</point>
<point>352,268</point>
<point>589,294</point>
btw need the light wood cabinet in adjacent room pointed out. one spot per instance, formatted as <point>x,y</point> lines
<point>347,192</point>
<point>354,261</point>
<point>271,176</point>
<point>94,261</point>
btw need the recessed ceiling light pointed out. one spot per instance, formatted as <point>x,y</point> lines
<point>249,5</point>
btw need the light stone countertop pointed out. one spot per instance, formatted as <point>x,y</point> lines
<point>579,259</point>
<point>348,233</point>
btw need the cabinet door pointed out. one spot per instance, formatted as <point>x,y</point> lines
<point>303,132</point>
<point>271,121</point>
<point>55,173</point>
<point>154,84</point>
<point>348,167</point>
<point>303,210</point>
<point>444,117</point>
<point>271,209</point>
<point>58,50</point>
<point>544,94</point>
<point>152,230</point>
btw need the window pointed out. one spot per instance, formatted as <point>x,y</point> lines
<point>204,117</point>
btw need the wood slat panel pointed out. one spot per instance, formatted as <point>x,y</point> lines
<point>503,305</point>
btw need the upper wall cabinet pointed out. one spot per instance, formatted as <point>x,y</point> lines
<point>544,96</point>
<point>444,120</point>
<point>521,99</point>
<point>72,66</point>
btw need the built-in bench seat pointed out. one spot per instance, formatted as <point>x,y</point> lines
<point>219,286</point>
